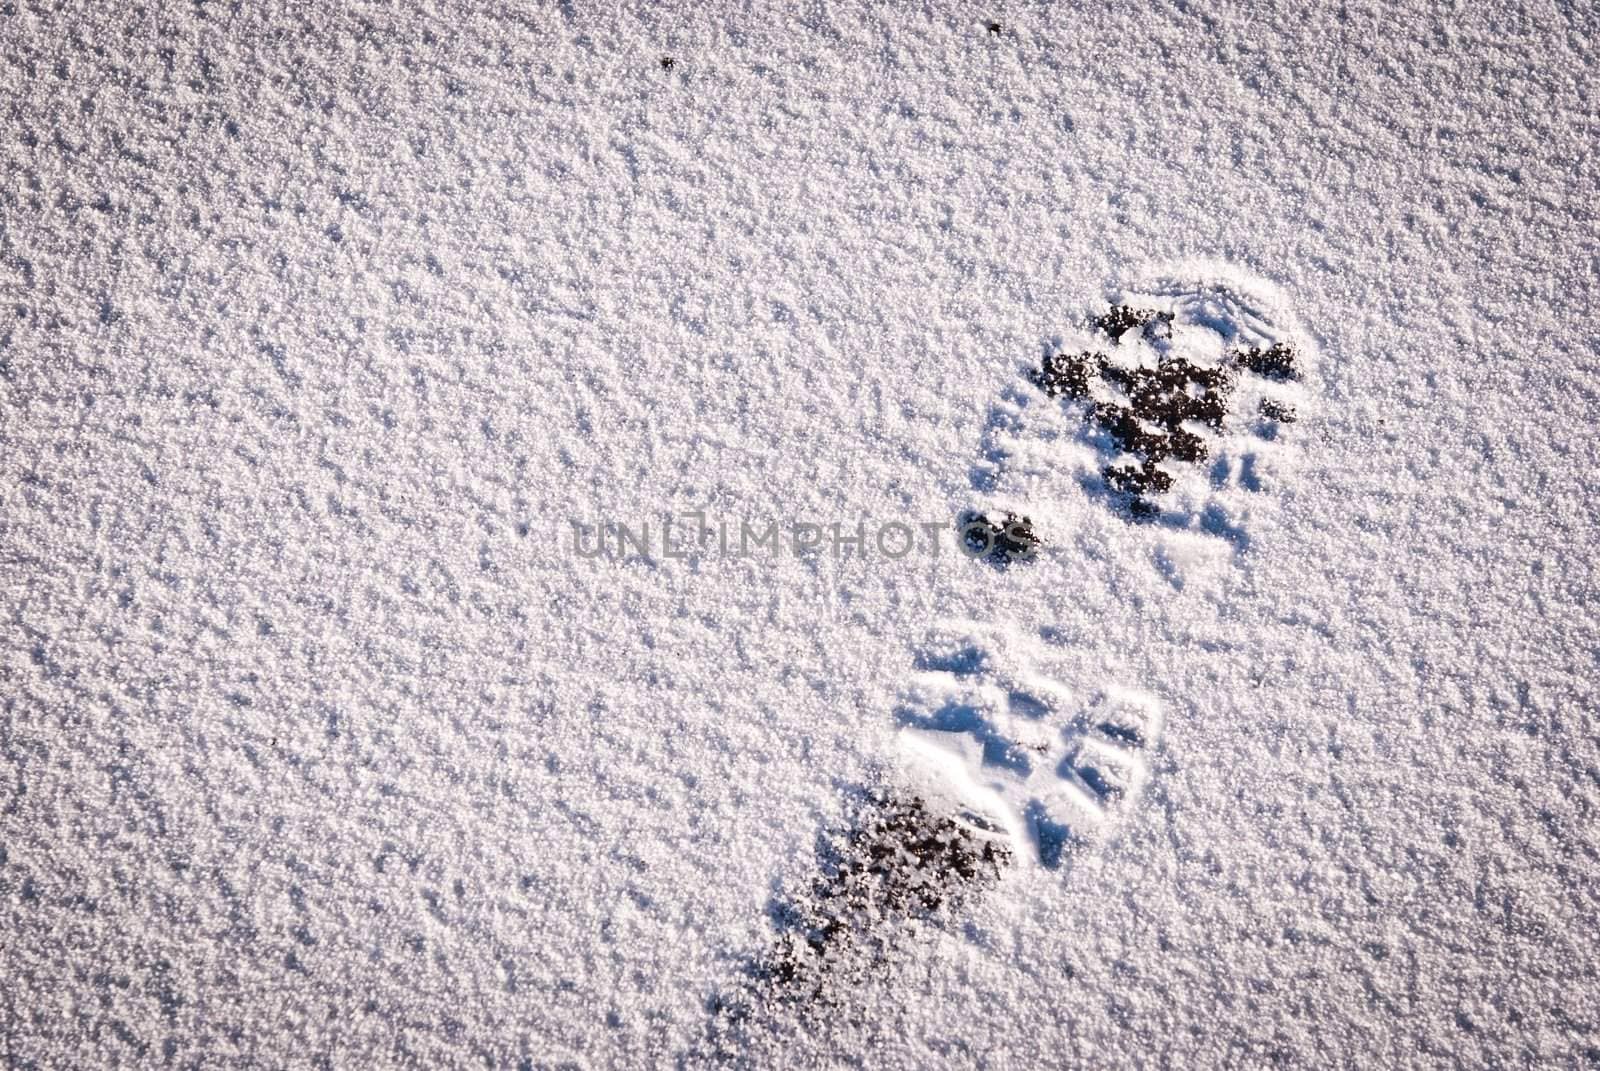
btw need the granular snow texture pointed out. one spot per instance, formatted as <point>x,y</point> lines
<point>326,325</point>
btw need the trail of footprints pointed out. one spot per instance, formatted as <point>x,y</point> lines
<point>1171,408</point>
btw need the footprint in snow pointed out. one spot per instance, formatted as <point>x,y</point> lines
<point>1173,407</point>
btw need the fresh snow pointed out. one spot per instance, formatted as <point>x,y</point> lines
<point>328,329</point>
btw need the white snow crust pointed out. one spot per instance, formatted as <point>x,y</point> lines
<point>322,325</point>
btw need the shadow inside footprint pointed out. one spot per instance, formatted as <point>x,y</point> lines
<point>955,716</point>
<point>964,661</point>
<point>1054,839</point>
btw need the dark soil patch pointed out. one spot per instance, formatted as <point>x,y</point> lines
<point>1283,414</point>
<point>1159,401</point>
<point>1121,319</point>
<point>898,861</point>
<point>1001,538</point>
<point>1275,362</point>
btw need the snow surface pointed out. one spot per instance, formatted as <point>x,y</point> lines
<point>323,746</point>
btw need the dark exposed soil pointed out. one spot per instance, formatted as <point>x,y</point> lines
<point>1283,414</point>
<point>1000,538</point>
<point>1275,362</point>
<point>1121,319</point>
<point>1148,424</point>
<point>898,861</point>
